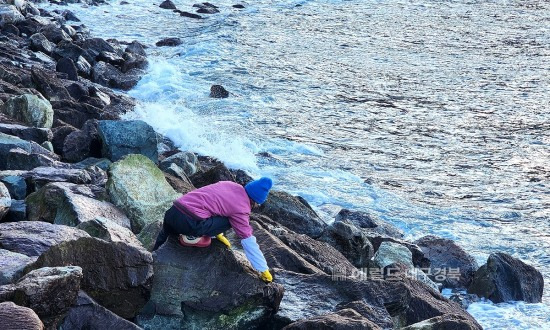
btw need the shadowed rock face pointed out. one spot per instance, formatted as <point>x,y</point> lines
<point>446,254</point>
<point>116,274</point>
<point>17,317</point>
<point>345,319</point>
<point>207,288</point>
<point>505,278</point>
<point>32,238</point>
<point>292,213</point>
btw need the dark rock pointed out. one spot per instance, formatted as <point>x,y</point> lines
<point>350,241</point>
<point>464,299</point>
<point>171,42</point>
<point>446,321</point>
<point>39,43</point>
<point>78,90</point>
<point>208,11</point>
<point>369,222</point>
<point>456,266</point>
<point>29,109</point>
<point>133,61</point>
<point>94,46</point>
<point>7,143</point>
<point>205,5</point>
<point>9,15</point>
<point>218,92</point>
<point>17,212</point>
<point>241,177</point>
<point>66,65</point>
<point>17,317</point>
<point>68,50</point>
<point>116,274</point>
<point>49,291</point>
<point>55,34</point>
<point>121,138</point>
<point>505,278</point>
<point>212,175</point>
<point>69,30</point>
<point>111,58</point>
<point>234,296</point>
<point>187,161</point>
<point>83,67</point>
<point>290,212</point>
<point>32,238</point>
<point>36,134</point>
<point>137,48</point>
<point>59,135</point>
<point>369,312</point>
<point>69,16</point>
<point>188,14</point>
<point>148,235</point>
<point>87,314</point>
<point>11,29</point>
<point>82,144</point>
<point>16,186</point>
<point>40,176</point>
<point>418,257</point>
<point>340,320</point>
<point>13,265</point>
<point>179,185</point>
<point>107,75</point>
<point>18,159</point>
<point>70,204</point>
<point>49,85</point>
<point>238,6</point>
<point>76,113</point>
<point>167,4</point>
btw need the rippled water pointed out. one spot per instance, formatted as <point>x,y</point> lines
<point>433,115</point>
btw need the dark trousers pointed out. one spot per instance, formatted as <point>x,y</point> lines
<point>176,222</point>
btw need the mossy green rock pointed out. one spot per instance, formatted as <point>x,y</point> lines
<point>30,109</point>
<point>139,188</point>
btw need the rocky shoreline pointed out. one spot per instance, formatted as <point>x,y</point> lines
<point>83,194</point>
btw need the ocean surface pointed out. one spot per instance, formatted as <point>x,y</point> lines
<point>433,115</point>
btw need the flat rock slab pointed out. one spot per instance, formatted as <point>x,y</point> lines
<point>32,238</point>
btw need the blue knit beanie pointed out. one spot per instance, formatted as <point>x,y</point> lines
<point>258,189</point>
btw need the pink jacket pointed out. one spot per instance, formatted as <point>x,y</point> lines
<point>224,198</point>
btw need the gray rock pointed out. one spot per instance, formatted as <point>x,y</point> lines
<point>17,212</point>
<point>8,142</point>
<point>207,288</point>
<point>389,253</point>
<point>83,67</point>
<point>418,258</point>
<point>345,319</point>
<point>109,231</point>
<point>13,265</point>
<point>40,176</point>
<point>187,161</point>
<point>182,186</point>
<point>71,205</point>
<point>47,145</point>
<point>369,222</point>
<point>505,278</point>
<point>36,134</point>
<point>19,159</point>
<point>350,241</point>
<point>49,291</point>
<point>9,15</point>
<point>117,275</point>
<point>135,47</point>
<point>13,317</point>
<point>144,200</point>
<point>5,200</point>
<point>148,235</point>
<point>40,43</point>
<point>55,34</point>
<point>456,266</point>
<point>292,213</point>
<point>87,314</point>
<point>49,85</point>
<point>121,138</point>
<point>446,321</point>
<point>32,238</point>
<point>109,76</point>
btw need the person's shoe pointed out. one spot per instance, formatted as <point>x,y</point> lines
<point>202,241</point>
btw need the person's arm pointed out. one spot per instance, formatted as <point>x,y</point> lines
<point>241,225</point>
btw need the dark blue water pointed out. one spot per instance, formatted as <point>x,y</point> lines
<point>433,115</point>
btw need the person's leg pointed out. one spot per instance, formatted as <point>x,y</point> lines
<point>174,223</point>
<point>213,226</point>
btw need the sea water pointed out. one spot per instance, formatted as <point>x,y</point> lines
<point>434,116</point>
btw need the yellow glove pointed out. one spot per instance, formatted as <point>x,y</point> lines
<point>266,276</point>
<point>224,240</point>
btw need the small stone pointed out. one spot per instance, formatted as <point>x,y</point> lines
<point>170,42</point>
<point>218,92</point>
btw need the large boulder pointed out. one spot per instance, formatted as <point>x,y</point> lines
<point>87,314</point>
<point>110,76</point>
<point>138,187</point>
<point>116,274</point>
<point>14,317</point>
<point>369,222</point>
<point>121,138</point>
<point>29,109</point>
<point>450,264</point>
<point>40,43</point>
<point>293,213</point>
<point>49,291</point>
<point>82,144</point>
<point>109,231</point>
<point>345,319</point>
<point>9,142</point>
<point>350,241</point>
<point>9,15</point>
<point>505,278</point>
<point>5,201</point>
<point>443,322</point>
<point>207,288</point>
<point>71,205</point>
<point>32,238</point>
<point>13,265</point>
